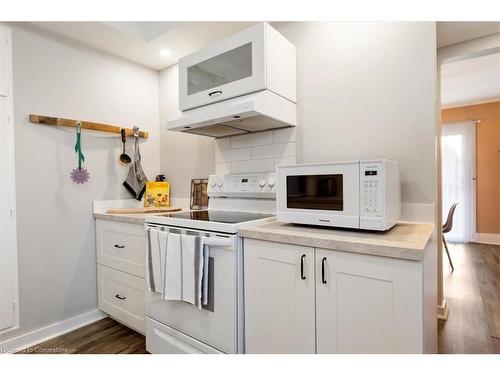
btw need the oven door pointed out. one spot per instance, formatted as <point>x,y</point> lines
<point>319,194</point>
<point>215,324</point>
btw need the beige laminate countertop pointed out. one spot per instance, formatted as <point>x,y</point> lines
<point>403,241</point>
<point>127,218</point>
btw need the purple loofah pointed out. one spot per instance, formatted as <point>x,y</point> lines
<point>80,176</point>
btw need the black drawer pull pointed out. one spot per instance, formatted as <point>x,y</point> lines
<point>215,93</point>
<point>119,246</point>
<point>323,279</point>
<point>120,297</point>
<point>302,266</point>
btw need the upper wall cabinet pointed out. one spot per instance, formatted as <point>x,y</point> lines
<point>255,59</point>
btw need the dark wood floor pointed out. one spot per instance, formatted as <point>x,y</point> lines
<point>102,337</point>
<point>473,295</point>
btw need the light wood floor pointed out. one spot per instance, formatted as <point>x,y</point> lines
<point>102,337</point>
<point>473,295</point>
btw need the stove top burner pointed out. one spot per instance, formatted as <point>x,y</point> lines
<point>229,217</point>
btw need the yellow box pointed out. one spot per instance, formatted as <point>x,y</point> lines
<point>157,194</point>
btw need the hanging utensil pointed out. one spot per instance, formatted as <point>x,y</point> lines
<point>79,175</point>
<point>124,158</point>
<point>136,179</point>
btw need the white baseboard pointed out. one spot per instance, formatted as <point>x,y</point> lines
<point>487,238</point>
<point>49,332</point>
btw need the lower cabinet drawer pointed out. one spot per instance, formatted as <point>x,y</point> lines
<point>161,339</point>
<point>121,246</point>
<point>122,296</point>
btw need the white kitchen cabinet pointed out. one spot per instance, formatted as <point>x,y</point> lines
<point>279,298</point>
<point>121,246</point>
<point>349,303</point>
<point>121,295</point>
<point>252,60</point>
<point>367,304</point>
<point>121,257</point>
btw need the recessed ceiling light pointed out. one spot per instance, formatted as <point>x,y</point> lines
<point>165,52</point>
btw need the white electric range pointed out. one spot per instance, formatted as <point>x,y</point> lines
<point>178,327</point>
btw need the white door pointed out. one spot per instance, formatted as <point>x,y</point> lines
<point>458,162</point>
<point>367,304</point>
<point>279,298</point>
<point>8,242</point>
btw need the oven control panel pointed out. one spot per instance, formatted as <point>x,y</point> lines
<point>371,189</point>
<point>242,185</point>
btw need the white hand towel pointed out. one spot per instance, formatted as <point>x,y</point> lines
<point>162,239</point>
<point>189,268</point>
<point>173,268</point>
<point>199,271</point>
<point>154,274</point>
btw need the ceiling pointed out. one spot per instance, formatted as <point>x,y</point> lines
<point>141,42</point>
<point>470,81</point>
<point>449,33</point>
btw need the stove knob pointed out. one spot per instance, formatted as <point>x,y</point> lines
<point>271,182</point>
<point>262,183</point>
<point>214,182</point>
<point>220,183</point>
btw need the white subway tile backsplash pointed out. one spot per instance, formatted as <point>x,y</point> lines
<point>253,166</point>
<point>285,161</point>
<point>256,139</point>
<point>233,155</point>
<point>257,152</point>
<point>285,135</point>
<point>274,151</point>
<point>222,168</point>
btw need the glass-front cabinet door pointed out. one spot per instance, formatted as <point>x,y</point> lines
<point>229,68</point>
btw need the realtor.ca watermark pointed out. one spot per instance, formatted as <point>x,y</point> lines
<point>34,350</point>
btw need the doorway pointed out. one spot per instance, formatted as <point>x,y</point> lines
<point>470,177</point>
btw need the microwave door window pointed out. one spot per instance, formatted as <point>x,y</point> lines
<point>315,192</point>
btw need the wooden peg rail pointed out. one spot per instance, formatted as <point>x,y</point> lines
<point>56,121</point>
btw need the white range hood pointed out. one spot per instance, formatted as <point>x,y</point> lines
<point>260,111</point>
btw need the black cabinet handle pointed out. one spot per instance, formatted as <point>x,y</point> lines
<point>120,297</point>
<point>302,266</point>
<point>215,93</point>
<point>323,279</point>
<point>119,246</point>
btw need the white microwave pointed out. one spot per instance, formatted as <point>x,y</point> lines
<point>354,194</point>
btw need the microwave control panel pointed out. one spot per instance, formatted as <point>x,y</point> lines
<point>371,181</point>
<point>242,185</point>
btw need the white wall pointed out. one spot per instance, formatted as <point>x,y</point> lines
<point>367,90</point>
<point>56,235</point>
<point>183,156</point>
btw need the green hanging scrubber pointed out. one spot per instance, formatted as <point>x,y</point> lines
<point>79,175</point>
